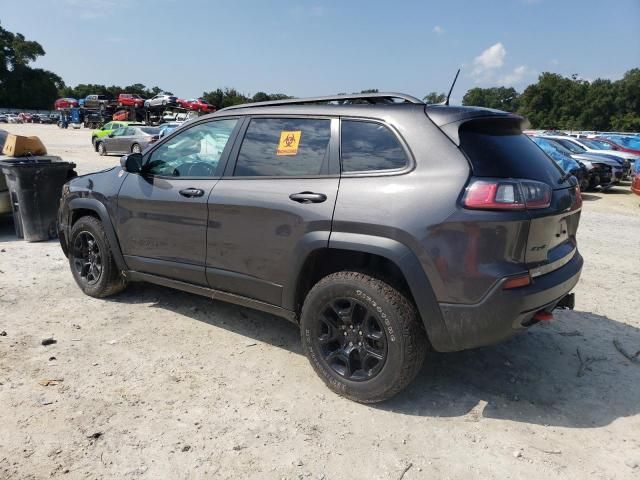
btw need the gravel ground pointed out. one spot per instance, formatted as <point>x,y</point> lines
<point>155,383</point>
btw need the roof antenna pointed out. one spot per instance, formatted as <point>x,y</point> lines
<point>446,102</point>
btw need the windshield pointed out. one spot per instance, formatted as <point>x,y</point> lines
<point>596,144</point>
<point>150,130</point>
<point>569,145</point>
<point>558,153</point>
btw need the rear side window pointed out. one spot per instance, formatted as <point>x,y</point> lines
<point>367,146</point>
<point>284,147</point>
<point>498,149</point>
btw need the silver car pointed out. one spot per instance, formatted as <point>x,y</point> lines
<point>129,139</point>
<point>162,99</point>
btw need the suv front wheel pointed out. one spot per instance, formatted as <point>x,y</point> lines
<point>362,336</point>
<point>91,259</point>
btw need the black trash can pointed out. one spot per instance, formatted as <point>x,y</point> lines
<point>35,188</point>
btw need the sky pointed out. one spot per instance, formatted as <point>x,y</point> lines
<point>308,48</point>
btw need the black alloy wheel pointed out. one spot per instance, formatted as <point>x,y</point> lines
<point>352,340</point>
<point>87,258</point>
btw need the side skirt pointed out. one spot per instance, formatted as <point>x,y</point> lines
<point>213,294</point>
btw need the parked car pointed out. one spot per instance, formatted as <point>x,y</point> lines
<point>635,182</point>
<point>199,105</point>
<point>106,129</point>
<point>183,102</point>
<point>618,146</point>
<point>12,118</point>
<point>609,176</point>
<point>162,99</point>
<point>127,139</point>
<point>96,101</point>
<point>594,146</point>
<point>5,200</point>
<point>25,117</point>
<point>629,142</point>
<point>372,277</point>
<point>621,167</point>
<point>3,118</point>
<point>63,103</point>
<point>564,160</point>
<point>121,115</point>
<point>41,118</point>
<point>130,100</point>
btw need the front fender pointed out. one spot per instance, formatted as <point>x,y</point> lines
<point>97,207</point>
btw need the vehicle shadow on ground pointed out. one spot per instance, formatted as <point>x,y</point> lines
<point>589,197</point>
<point>566,373</point>
<point>536,377</point>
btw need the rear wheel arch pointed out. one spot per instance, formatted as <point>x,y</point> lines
<point>386,259</point>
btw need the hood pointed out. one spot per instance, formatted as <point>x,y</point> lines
<point>597,158</point>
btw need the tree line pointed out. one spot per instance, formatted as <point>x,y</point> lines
<point>569,103</point>
<point>553,102</point>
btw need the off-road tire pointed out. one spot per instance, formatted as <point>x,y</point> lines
<point>110,281</point>
<point>405,335</point>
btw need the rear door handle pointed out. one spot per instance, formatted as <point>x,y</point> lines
<point>192,192</point>
<point>308,197</point>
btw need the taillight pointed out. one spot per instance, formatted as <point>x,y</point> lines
<point>154,138</point>
<point>506,194</point>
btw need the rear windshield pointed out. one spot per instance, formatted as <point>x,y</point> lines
<point>503,151</point>
<point>151,130</point>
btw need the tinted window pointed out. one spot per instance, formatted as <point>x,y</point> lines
<point>284,147</point>
<point>501,150</point>
<point>194,152</point>
<point>367,146</point>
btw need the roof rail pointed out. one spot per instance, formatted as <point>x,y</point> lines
<point>373,98</point>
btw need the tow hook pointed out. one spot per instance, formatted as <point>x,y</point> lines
<point>567,302</point>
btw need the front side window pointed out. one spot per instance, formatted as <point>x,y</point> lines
<point>119,132</point>
<point>286,147</point>
<point>367,146</point>
<point>194,152</point>
<point>108,126</point>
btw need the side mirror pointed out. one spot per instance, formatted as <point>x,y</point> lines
<point>131,162</point>
<point>110,135</point>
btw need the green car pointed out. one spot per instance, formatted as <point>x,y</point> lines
<point>106,129</point>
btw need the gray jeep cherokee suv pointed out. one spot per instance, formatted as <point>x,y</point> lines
<point>382,226</point>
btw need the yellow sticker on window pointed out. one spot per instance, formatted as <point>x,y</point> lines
<point>289,142</point>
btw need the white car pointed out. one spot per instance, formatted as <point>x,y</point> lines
<point>595,146</point>
<point>11,118</point>
<point>161,100</point>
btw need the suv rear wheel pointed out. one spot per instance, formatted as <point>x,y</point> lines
<point>91,260</point>
<point>362,336</point>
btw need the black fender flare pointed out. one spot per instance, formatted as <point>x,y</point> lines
<point>409,265</point>
<point>99,208</point>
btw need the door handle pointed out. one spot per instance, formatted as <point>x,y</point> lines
<point>308,197</point>
<point>192,192</point>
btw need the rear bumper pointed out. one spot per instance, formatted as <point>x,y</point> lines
<point>503,313</point>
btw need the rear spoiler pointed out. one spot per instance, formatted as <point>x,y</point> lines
<point>450,119</point>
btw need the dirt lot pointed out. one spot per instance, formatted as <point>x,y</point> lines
<point>156,383</point>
